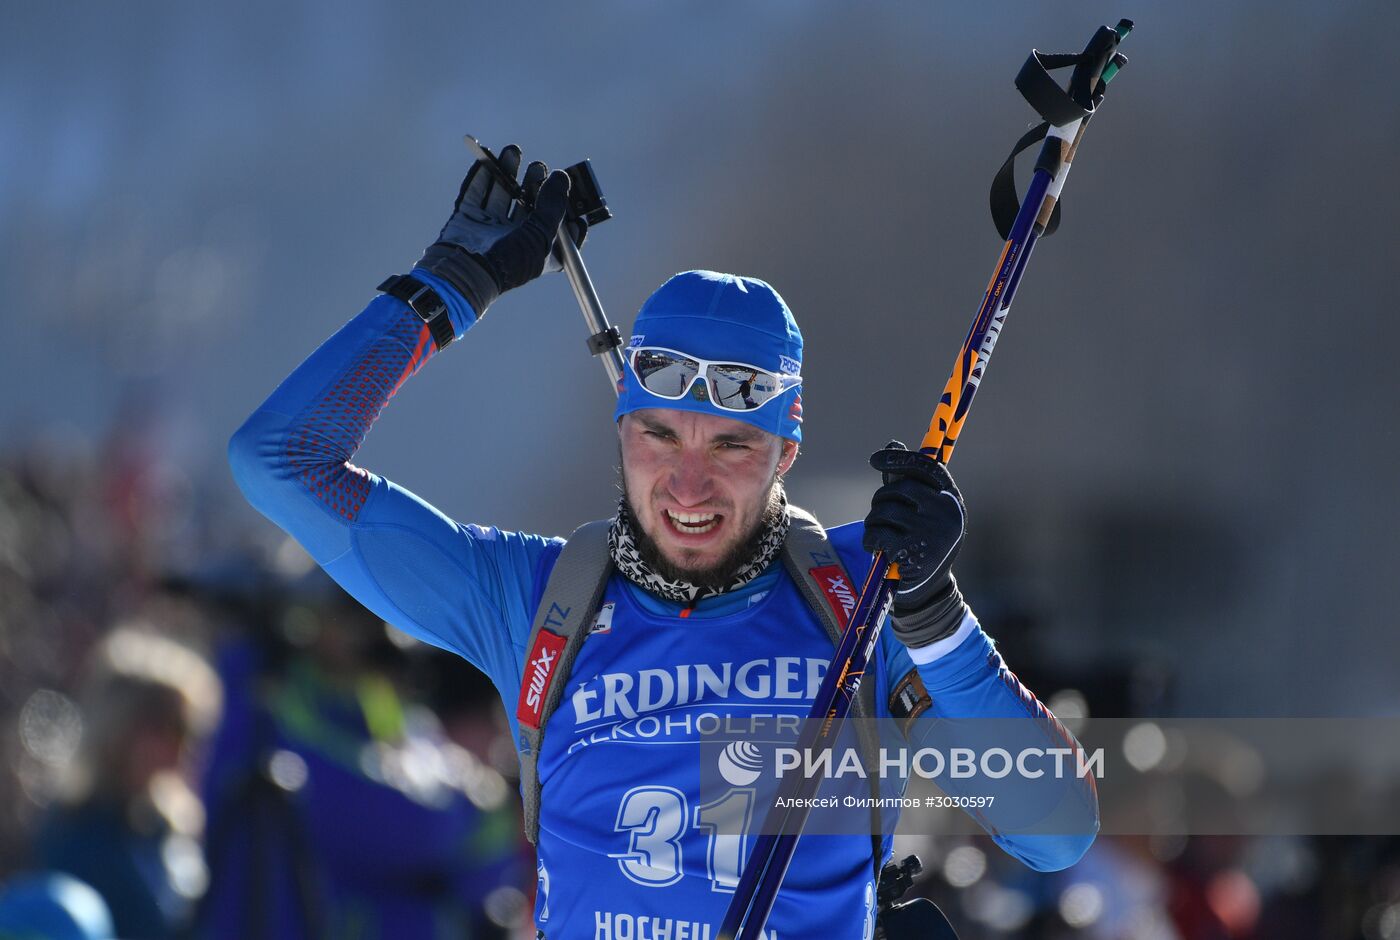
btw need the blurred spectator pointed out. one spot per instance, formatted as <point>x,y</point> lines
<point>52,906</point>
<point>337,805</point>
<point>125,821</point>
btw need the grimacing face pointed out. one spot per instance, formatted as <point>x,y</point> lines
<point>699,484</point>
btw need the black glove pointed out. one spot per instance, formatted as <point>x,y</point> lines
<point>917,519</point>
<point>490,244</point>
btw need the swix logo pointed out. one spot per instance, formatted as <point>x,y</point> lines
<point>542,667</point>
<point>795,412</point>
<point>837,590</point>
<point>539,669</point>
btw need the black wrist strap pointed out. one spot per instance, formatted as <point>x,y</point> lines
<point>425,302</point>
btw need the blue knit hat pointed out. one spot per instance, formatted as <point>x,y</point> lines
<point>722,318</point>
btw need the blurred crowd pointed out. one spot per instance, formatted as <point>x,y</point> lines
<point>201,736</point>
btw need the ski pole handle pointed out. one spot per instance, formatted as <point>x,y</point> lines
<point>604,340</point>
<point>1051,169</point>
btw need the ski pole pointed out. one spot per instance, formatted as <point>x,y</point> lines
<point>585,202</point>
<point>1066,116</point>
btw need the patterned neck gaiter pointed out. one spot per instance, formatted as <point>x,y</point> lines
<point>622,544</point>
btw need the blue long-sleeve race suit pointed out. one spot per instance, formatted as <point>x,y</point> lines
<point>626,847</point>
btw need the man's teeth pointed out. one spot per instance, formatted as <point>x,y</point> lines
<point>693,522</point>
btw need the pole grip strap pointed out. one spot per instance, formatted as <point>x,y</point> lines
<point>1086,86</point>
<point>1056,106</point>
<point>1005,202</point>
<point>1043,93</point>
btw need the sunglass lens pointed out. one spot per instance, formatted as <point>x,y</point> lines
<point>740,388</point>
<point>664,374</point>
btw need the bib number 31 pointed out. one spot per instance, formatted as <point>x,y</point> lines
<point>655,819</point>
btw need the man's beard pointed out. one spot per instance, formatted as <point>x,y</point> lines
<point>722,574</point>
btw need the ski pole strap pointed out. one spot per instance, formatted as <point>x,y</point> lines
<point>1086,84</point>
<point>1057,106</point>
<point>1005,202</point>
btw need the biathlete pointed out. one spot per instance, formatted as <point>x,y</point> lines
<point>702,609</point>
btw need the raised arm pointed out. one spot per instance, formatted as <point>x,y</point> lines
<point>460,587</point>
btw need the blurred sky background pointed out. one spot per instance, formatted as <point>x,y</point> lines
<point>1184,453</point>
